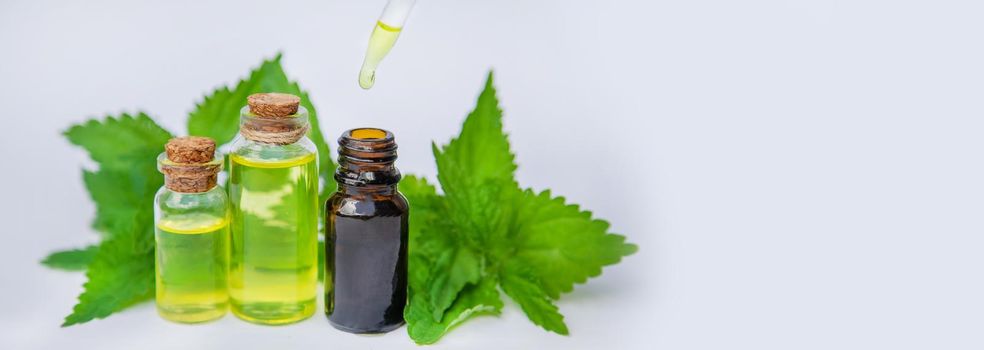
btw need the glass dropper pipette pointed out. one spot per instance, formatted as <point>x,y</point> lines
<point>383,38</point>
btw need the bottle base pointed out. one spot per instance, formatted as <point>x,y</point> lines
<point>379,330</point>
<point>190,314</point>
<point>273,313</point>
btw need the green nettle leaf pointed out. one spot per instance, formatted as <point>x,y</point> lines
<point>126,150</point>
<point>518,282</point>
<point>472,169</point>
<point>450,273</point>
<point>479,299</point>
<point>430,233</point>
<point>119,143</point>
<point>72,259</point>
<point>424,200</point>
<point>119,274</point>
<point>218,115</point>
<point>121,270</point>
<point>563,243</point>
<point>475,168</point>
<point>121,194</point>
<point>480,152</point>
<point>534,246</point>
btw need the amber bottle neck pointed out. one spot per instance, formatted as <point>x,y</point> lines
<point>366,159</point>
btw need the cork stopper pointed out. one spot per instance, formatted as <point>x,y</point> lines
<point>189,164</point>
<point>273,104</point>
<point>274,118</point>
<point>191,149</point>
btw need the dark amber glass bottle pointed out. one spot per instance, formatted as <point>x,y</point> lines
<point>366,236</point>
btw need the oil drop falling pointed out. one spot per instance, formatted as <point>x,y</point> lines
<point>383,37</point>
<point>382,40</point>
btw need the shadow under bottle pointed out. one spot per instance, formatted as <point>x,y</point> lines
<point>366,236</point>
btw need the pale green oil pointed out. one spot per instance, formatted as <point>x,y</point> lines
<point>273,269</point>
<point>380,43</point>
<point>192,259</point>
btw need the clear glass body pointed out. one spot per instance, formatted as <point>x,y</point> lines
<point>192,254</point>
<point>274,194</point>
<point>366,233</point>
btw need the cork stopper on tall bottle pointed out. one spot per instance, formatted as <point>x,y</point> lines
<point>274,118</point>
<point>273,104</point>
<point>190,165</point>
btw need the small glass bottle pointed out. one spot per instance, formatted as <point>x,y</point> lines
<point>191,217</point>
<point>366,236</point>
<point>273,187</point>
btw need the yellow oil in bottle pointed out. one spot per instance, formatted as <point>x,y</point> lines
<point>273,269</point>
<point>192,259</point>
<point>380,42</point>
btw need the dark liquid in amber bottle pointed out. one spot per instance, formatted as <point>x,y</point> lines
<point>366,237</point>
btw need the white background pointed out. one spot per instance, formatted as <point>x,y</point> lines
<point>798,174</point>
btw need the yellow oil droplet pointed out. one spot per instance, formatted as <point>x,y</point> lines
<point>380,42</point>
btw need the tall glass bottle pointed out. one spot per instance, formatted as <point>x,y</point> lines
<point>273,187</point>
<point>366,236</point>
<point>191,216</point>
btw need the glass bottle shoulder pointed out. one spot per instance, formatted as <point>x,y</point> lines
<point>166,198</point>
<point>187,211</point>
<point>245,149</point>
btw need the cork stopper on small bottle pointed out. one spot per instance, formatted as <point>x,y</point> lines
<point>191,167</point>
<point>273,104</point>
<point>191,149</point>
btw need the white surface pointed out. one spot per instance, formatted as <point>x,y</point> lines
<point>798,174</point>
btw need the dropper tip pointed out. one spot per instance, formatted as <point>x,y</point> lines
<point>367,78</point>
